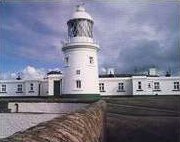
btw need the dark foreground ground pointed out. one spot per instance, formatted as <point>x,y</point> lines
<point>143,119</point>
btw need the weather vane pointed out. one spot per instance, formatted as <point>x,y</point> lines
<point>81,4</point>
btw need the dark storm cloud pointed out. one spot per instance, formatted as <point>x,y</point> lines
<point>147,53</point>
<point>145,36</point>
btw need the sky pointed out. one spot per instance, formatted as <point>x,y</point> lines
<point>133,36</point>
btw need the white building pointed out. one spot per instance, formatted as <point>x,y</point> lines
<point>109,85</point>
<point>127,84</point>
<point>23,88</point>
<point>144,85</point>
<point>81,65</point>
<point>81,71</point>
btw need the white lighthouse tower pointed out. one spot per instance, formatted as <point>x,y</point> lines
<point>80,55</point>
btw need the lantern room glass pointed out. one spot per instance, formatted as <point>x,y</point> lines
<point>80,28</point>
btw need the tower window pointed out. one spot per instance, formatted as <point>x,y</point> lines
<point>78,71</point>
<point>91,60</point>
<point>19,88</point>
<point>66,60</point>
<point>139,85</point>
<point>3,88</point>
<point>31,86</point>
<point>120,86</point>
<point>176,86</point>
<point>78,83</point>
<point>156,86</point>
<point>101,87</point>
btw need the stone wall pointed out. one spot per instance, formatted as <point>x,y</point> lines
<point>86,125</point>
<point>43,107</point>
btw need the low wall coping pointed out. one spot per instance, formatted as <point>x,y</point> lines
<point>84,125</point>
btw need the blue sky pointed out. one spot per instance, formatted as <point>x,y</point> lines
<point>132,35</point>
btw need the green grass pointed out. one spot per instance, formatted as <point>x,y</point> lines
<point>143,119</point>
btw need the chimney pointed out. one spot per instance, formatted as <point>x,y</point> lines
<point>153,72</point>
<point>168,74</point>
<point>110,71</point>
<point>19,77</point>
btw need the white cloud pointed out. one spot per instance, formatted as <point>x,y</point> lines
<point>102,70</point>
<point>4,76</point>
<point>13,75</point>
<point>54,69</point>
<point>28,72</point>
<point>33,73</point>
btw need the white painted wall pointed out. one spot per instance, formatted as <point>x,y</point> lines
<point>143,80</point>
<point>166,85</point>
<point>79,60</point>
<point>35,91</point>
<point>44,88</point>
<point>11,87</point>
<point>111,86</point>
<point>45,107</point>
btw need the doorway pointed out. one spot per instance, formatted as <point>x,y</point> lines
<point>56,88</point>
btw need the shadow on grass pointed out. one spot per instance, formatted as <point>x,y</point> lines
<point>138,125</point>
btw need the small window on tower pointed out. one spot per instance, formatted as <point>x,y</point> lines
<point>91,60</point>
<point>78,71</point>
<point>31,86</point>
<point>78,83</point>
<point>66,60</point>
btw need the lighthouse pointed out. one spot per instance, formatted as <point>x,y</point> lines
<point>80,56</point>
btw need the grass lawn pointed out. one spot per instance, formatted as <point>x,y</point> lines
<point>143,119</point>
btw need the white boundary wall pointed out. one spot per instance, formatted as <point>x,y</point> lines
<point>45,107</point>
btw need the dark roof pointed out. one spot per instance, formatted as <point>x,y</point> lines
<point>114,75</point>
<point>124,75</point>
<point>54,72</point>
<point>18,78</point>
<point>152,75</point>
